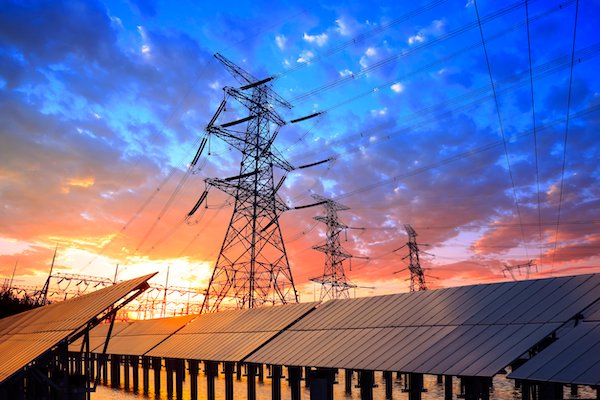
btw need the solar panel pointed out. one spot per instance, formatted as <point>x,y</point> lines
<point>29,335</point>
<point>467,331</point>
<point>139,337</point>
<point>230,335</point>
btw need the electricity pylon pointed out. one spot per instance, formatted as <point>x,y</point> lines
<point>417,276</point>
<point>334,283</point>
<point>252,268</point>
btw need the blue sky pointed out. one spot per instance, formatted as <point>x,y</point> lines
<point>103,104</point>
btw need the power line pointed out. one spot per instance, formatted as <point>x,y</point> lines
<point>510,173</point>
<point>535,146</point>
<point>562,174</point>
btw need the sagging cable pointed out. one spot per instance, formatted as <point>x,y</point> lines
<point>315,163</point>
<point>306,117</point>
<point>199,152</point>
<point>258,83</point>
<point>310,205</point>
<point>198,203</point>
<point>239,121</point>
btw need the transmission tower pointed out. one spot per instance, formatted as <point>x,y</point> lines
<point>526,266</point>
<point>252,268</point>
<point>334,283</point>
<point>417,276</point>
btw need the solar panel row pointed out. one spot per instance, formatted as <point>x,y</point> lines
<point>467,331</point>
<point>27,336</point>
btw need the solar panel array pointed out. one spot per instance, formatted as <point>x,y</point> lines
<point>26,336</point>
<point>469,331</point>
<point>574,358</point>
<point>139,337</point>
<point>230,335</point>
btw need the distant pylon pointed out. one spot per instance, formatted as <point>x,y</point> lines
<point>252,268</point>
<point>417,276</point>
<point>334,283</point>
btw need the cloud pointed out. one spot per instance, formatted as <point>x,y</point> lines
<point>435,28</point>
<point>319,40</point>
<point>280,40</point>
<point>305,57</point>
<point>397,87</point>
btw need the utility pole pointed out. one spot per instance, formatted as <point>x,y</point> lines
<point>334,283</point>
<point>43,296</point>
<point>252,267</point>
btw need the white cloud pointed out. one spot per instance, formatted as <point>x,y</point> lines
<point>436,27</point>
<point>346,73</point>
<point>319,40</point>
<point>379,112</point>
<point>343,26</point>
<point>215,85</point>
<point>305,57</point>
<point>371,52</point>
<point>280,40</point>
<point>418,38</point>
<point>397,87</point>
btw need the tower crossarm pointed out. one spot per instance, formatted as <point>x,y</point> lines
<point>248,81</point>
<point>248,101</point>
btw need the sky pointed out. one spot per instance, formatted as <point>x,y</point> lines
<point>475,123</point>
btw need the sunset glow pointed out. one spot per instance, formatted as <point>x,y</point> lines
<point>103,105</point>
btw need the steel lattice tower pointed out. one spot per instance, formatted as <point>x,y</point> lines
<point>334,283</point>
<point>252,268</point>
<point>417,276</point>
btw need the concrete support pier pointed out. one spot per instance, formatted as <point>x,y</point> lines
<point>321,383</point>
<point>448,387</point>
<point>348,381</point>
<point>146,374</point>
<point>294,379</point>
<point>229,369</point>
<point>134,361</point>
<point>389,384</point>
<point>251,372</point>
<point>194,368</point>
<point>276,375</point>
<point>366,383</point>
<point>179,377</point>
<point>211,370</point>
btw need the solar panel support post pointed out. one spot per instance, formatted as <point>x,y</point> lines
<point>211,370</point>
<point>229,368</point>
<point>260,373</point>
<point>448,387</point>
<point>238,371</point>
<point>251,372</point>
<point>179,377</point>
<point>169,369</point>
<point>115,368</point>
<point>193,370</point>
<point>321,383</point>
<point>134,361</point>
<point>348,381</point>
<point>550,391</point>
<point>307,376</point>
<point>366,382</point>
<point>574,390</point>
<point>276,375</point>
<point>415,386</point>
<point>126,373</point>
<point>156,366</point>
<point>146,374</point>
<point>389,384</point>
<point>294,378</point>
